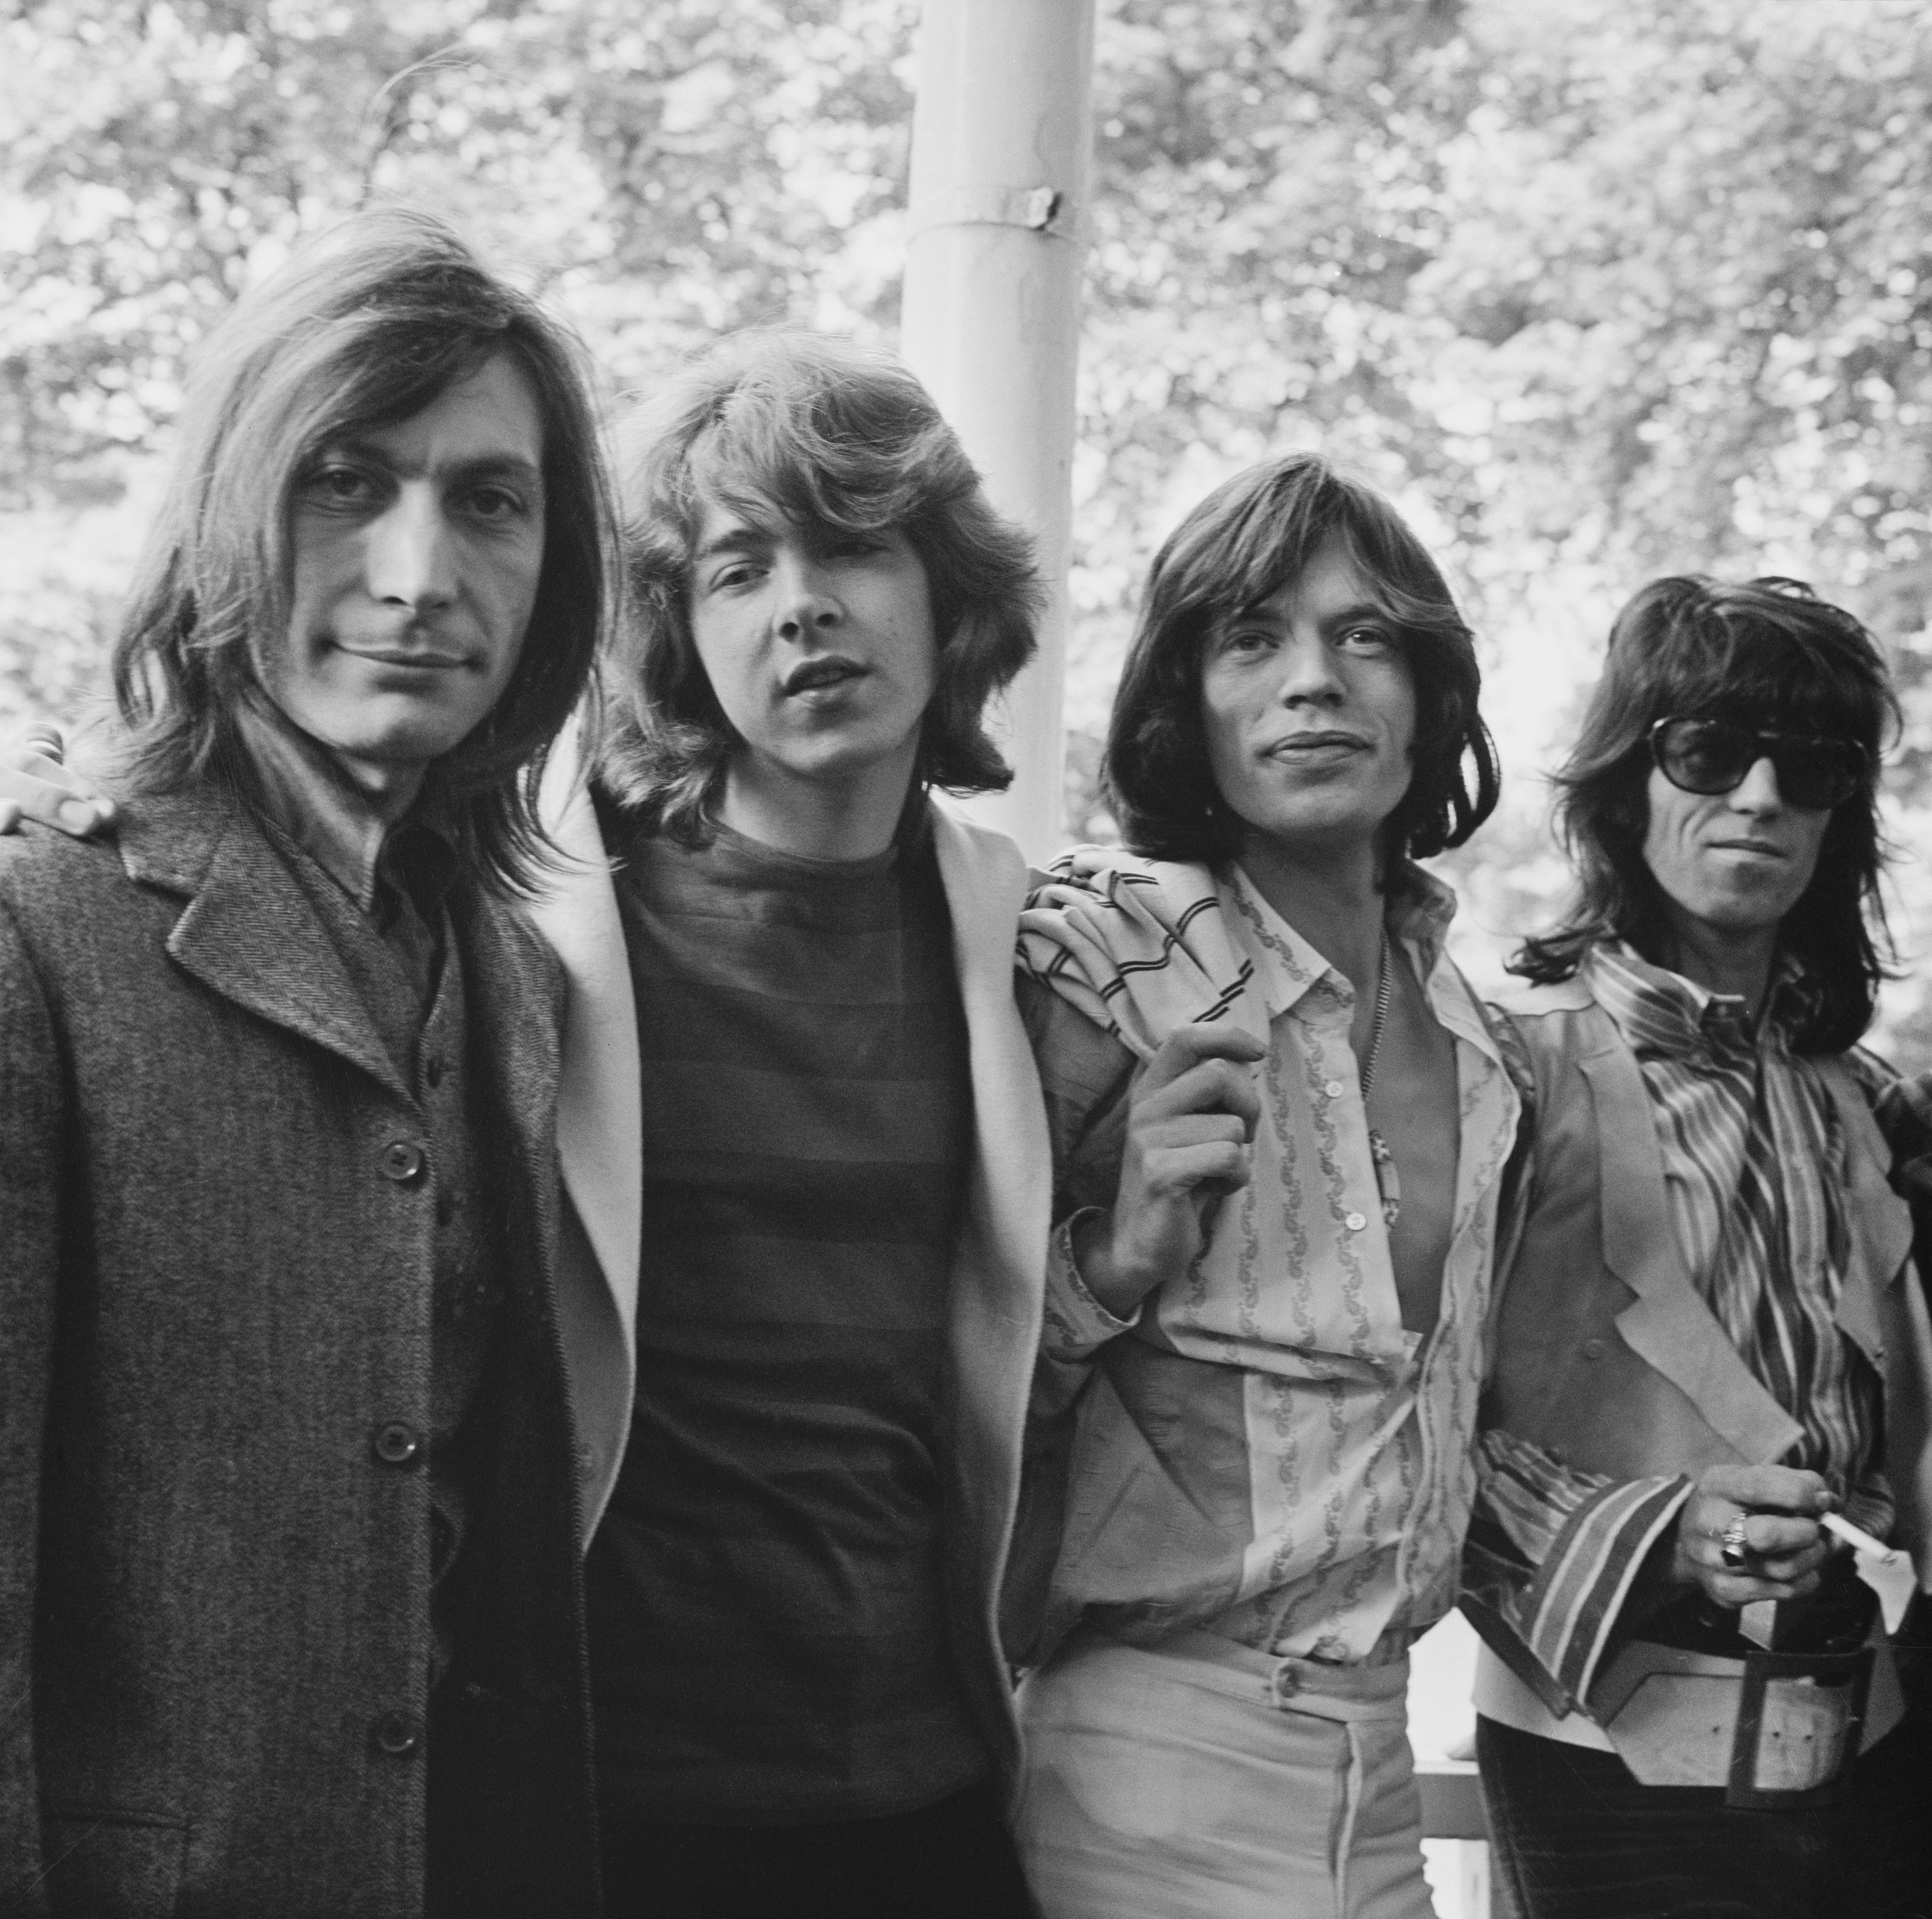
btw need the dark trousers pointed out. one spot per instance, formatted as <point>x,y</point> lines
<point>954,1860</point>
<point>1574,1836</point>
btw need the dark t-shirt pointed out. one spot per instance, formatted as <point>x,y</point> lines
<point>768,1640</point>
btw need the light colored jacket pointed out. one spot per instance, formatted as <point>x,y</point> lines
<point>1607,1359</point>
<point>999,1261</point>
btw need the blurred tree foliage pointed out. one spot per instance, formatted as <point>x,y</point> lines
<point>1595,292</point>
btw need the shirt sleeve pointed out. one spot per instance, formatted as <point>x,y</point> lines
<point>1552,1556</point>
<point>1086,1075</point>
<point>1077,1325</point>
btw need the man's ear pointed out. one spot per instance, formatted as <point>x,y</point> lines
<point>1629,812</point>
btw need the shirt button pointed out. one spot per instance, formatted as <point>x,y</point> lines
<point>1287,1682</point>
<point>1355,1222</point>
<point>397,1444</point>
<point>402,1161</point>
<point>1333,1089</point>
<point>586,1461</point>
<point>1593,1349</point>
<point>399,1734</point>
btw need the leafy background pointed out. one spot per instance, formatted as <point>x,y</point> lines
<point>1595,291</point>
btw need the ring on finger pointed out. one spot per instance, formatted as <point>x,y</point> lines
<point>1733,1550</point>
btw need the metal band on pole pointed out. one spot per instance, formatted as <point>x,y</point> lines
<point>1038,209</point>
<point>990,320</point>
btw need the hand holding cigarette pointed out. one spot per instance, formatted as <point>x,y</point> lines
<point>1749,1533</point>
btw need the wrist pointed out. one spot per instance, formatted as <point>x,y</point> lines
<point>1092,1237</point>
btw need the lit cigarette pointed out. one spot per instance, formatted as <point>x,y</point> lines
<point>1852,1536</point>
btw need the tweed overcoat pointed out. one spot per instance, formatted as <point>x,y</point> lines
<point>215,1293</point>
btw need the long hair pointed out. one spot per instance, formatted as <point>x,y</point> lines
<point>823,433</point>
<point>1249,538</point>
<point>361,330</point>
<point>1770,653</point>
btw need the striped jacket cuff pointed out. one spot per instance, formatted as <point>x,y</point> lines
<point>1571,1607</point>
<point>1553,1553</point>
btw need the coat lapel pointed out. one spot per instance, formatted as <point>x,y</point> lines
<point>985,879</point>
<point>248,932</point>
<point>600,1106</point>
<point>1667,1325</point>
<point>515,1006</point>
<point>599,1130</point>
<point>997,1293</point>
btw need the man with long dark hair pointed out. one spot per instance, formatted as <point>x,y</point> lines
<point>1280,1118</point>
<point>1709,1339</point>
<point>288,1615</point>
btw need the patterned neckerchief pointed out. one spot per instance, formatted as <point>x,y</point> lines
<point>1662,1013</point>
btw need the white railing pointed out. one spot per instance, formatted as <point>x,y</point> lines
<point>1442,1724</point>
<point>1455,1837</point>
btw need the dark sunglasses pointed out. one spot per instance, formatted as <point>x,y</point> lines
<point>1815,771</point>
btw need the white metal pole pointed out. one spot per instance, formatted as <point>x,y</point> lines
<point>1001,147</point>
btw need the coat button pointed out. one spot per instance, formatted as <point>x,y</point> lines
<point>402,1161</point>
<point>1333,1089</point>
<point>397,1444</point>
<point>1287,1682</point>
<point>1593,1349</point>
<point>399,1735</point>
<point>1355,1222</point>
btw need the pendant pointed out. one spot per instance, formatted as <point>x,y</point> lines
<point>1388,1181</point>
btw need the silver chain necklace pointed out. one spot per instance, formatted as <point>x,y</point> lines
<point>1388,1182</point>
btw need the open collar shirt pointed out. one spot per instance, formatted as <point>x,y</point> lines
<point>1273,1383</point>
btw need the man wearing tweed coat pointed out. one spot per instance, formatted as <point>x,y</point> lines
<point>288,1613</point>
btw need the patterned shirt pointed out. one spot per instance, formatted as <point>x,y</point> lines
<point>1754,1163</point>
<point>1268,1452</point>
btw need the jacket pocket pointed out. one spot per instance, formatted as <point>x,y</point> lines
<point>104,1864</point>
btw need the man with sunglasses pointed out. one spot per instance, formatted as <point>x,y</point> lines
<point>1708,1339</point>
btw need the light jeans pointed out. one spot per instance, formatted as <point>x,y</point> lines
<point>1199,1780</point>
